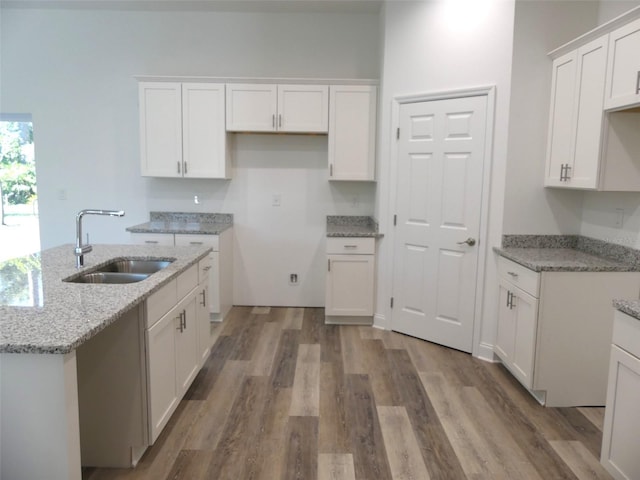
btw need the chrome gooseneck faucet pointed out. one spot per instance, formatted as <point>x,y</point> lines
<point>81,249</point>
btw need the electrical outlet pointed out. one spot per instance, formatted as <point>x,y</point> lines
<point>276,201</point>
<point>293,279</point>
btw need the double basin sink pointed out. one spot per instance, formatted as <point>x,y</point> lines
<point>122,270</point>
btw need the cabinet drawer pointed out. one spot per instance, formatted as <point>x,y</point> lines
<point>520,276</point>
<point>204,268</point>
<point>626,333</point>
<point>187,281</point>
<point>152,238</point>
<point>351,245</point>
<point>160,302</point>
<point>184,239</point>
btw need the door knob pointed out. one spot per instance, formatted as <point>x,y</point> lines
<point>469,241</point>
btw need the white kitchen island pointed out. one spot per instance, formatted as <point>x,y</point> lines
<point>47,328</point>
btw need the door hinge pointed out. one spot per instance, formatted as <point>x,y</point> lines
<point>395,220</point>
<point>398,133</point>
<point>391,302</point>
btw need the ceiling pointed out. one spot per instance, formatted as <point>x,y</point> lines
<point>303,6</point>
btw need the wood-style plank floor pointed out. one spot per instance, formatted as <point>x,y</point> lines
<point>284,396</point>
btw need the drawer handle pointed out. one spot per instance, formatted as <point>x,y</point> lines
<point>151,241</point>
<point>351,246</point>
<point>513,274</point>
<point>195,243</point>
<point>206,269</point>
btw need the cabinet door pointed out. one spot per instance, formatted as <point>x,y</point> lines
<point>621,420</point>
<point>623,69</point>
<point>350,285</point>
<point>161,358</point>
<point>204,323</point>
<point>516,332</point>
<point>506,331</point>
<point>560,136</point>
<point>352,132</point>
<point>204,136</point>
<point>303,108</point>
<point>186,334</point>
<point>160,105</point>
<point>251,107</point>
<point>526,321</point>
<point>576,116</point>
<point>588,114</point>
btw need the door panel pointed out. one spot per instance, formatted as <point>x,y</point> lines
<point>439,192</point>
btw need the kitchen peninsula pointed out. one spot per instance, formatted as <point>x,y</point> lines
<point>48,372</point>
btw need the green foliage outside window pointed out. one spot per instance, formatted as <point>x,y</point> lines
<point>17,163</point>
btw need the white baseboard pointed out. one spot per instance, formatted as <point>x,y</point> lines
<point>485,352</point>
<point>379,321</point>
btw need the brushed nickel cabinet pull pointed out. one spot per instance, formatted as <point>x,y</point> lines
<point>178,166</point>
<point>185,168</point>
<point>204,298</point>
<point>280,120</point>
<point>151,241</point>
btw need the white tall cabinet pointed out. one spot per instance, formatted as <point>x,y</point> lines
<point>182,130</point>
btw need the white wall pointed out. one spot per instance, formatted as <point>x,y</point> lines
<point>529,207</point>
<point>73,71</point>
<point>430,47</point>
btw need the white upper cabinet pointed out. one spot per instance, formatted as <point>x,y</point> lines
<point>352,132</point>
<point>576,117</point>
<point>160,129</point>
<point>204,145</point>
<point>277,108</point>
<point>182,130</point>
<point>623,70</point>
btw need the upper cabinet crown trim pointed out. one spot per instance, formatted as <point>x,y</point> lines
<point>603,29</point>
<point>267,80</point>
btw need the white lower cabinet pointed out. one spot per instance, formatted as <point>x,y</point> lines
<point>516,335</point>
<point>220,298</point>
<point>177,342</point>
<point>350,280</point>
<point>552,336</point>
<point>621,433</point>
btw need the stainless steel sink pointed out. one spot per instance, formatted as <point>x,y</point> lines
<point>109,277</point>
<point>122,270</point>
<point>134,266</point>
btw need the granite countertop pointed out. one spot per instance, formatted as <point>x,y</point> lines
<point>563,260</point>
<point>568,253</point>
<point>351,226</point>
<point>630,307</point>
<point>39,313</point>
<point>185,222</point>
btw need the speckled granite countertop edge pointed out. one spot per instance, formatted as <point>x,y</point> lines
<point>72,313</point>
<point>351,226</point>
<point>190,223</point>
<point>630,307</point>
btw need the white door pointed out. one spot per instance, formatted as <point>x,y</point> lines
<point>438,206</point>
